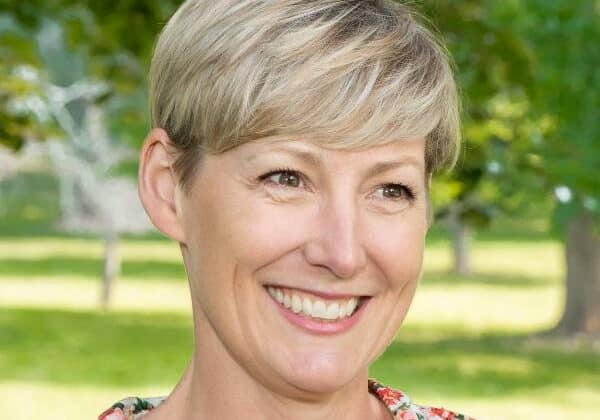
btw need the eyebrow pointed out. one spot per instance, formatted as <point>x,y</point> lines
<point>381,167</point>
<point>314,159</point>
<point>309,157</point>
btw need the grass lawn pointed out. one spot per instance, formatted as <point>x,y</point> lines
<point>467,342</point>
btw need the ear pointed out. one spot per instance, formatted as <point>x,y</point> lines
<point>157,185</point>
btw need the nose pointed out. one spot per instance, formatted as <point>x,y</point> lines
<point>336,242</point>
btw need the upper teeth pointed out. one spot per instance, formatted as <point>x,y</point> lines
<point>314,308</point>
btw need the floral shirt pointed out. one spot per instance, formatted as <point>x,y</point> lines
<point>397,402</point>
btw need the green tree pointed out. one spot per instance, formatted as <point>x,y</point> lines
<point>99,34</point>
<point>565,35</point>
<point>493,66</point>
<point>55,47</point>
<point>539,60</point>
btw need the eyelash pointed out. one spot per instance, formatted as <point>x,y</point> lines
<point>408,191</point>
<point>278,171</point>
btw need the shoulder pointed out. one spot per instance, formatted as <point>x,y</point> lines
<point>131,408</point>
<point>402,408</point>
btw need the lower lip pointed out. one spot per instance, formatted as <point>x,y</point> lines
<point>322,327</point>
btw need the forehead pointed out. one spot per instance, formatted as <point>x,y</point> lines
<point>405,152</point>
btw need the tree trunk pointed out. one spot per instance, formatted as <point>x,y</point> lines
<point>582,301</point>
<point>461,243</point>
<point>112,267</point>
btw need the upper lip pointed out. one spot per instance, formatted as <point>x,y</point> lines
<point>324,295</point>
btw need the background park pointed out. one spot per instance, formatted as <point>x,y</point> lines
<point>94,304</point>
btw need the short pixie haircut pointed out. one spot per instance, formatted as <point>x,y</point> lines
<point>347,74</point>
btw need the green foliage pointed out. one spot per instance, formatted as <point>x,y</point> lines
<point>97,44</point>
<point>565,36</point>
<point>528,74</point>
<point>14,48</point>
<point>493,64</point>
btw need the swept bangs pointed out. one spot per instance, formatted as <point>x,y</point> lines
<point>345,74</point>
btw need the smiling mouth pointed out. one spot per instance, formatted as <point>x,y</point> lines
<point>324,310</point>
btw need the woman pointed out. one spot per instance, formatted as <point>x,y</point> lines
<point>291,158</point>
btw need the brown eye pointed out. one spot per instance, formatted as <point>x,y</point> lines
<point>289,179</point>
<point>285,178</point>
<point>392,191</point>
<point>396,192</point>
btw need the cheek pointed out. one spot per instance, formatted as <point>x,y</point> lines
<point>265,232</point>
<point>242,233</point>
<point>397,247</point>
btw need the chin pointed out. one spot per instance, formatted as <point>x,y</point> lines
<point>321,373</point>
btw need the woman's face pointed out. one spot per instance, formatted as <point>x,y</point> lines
<point>303,260</point>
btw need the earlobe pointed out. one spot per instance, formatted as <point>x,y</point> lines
<point>157,185</point>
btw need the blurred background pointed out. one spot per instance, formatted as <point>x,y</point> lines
<point>94,304</point>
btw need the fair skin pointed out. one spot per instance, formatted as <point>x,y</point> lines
<point>315,223</point>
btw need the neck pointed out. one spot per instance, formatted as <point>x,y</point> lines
<point>206,392</point>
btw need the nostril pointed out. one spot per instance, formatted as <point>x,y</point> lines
<point>336,244</point>
<point>343,262</point>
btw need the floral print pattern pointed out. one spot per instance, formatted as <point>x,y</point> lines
<point>402,408</point>
<point>131,408</point>
<point>397,402</point>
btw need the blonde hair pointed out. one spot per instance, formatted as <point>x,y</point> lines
<point>345,73</point>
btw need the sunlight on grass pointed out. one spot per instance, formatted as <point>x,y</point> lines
<point>544,259</point>
<point>487,308</point>
<point>78,293</point>
<point>23,400</point>
<point>28,249</point>
<point>130,250</point>
<point>559,404</point>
